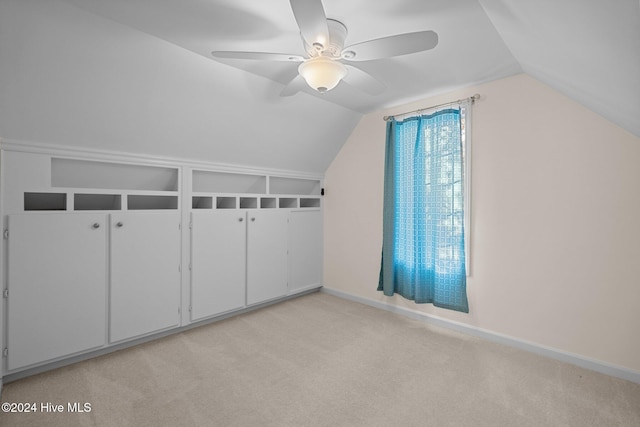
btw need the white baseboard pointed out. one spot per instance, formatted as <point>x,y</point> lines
<point>563,356</point>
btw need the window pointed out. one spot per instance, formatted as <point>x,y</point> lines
<point>424,247</point>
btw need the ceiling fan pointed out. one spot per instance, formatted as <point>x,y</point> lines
<point>327,59</point>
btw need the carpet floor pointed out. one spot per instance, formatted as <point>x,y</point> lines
<point>319,360</point>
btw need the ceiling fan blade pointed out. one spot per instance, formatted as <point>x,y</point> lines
<point>312,21</point>
<point>294,86</point>
<point>260,56</point>
<point>387,47</point>
<point>363,80</point>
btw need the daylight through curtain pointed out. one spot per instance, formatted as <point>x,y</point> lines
<point>423,255</point>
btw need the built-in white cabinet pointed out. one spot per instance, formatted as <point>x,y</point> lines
<point>238,258</point>
<point>266,255</point>
<point>218,262</point>
<point>305,250</point>
<point>56,286</point>
<point>245,257</point>
<point>280,257</point>
<point>145,274</point>
<point>102,249</point>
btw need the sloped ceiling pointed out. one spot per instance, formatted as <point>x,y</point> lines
<point>71,77</point>
<point>470,50</point>
<point>587,49</point>
<point>137,75</point>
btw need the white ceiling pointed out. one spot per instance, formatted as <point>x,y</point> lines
<point>587,49</point>
<point>470,50</point>
<point>149,64</point>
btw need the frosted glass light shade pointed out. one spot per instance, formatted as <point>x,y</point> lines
<point>322,74</point>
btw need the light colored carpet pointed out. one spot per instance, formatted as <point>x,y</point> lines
<point>319,360</point>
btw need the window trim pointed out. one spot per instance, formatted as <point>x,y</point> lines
<point>466,106</point>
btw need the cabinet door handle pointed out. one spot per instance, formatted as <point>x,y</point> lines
<point>240,219</point>
<point>253,219</point>
<point>119,224</point>
<point>95,225</point>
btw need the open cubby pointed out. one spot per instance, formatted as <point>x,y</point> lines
<point>248,202</point>
<point>268,203</point>
<point>74,173</point>
<point>202,202</point>
<point>288,202</point>
<point>144,202</point>
<point>45,201</point>
<point>223,182</point>
<point>309,202</point>
<point>224,202</point>
<point>103,202</point>
<point>299,186</point>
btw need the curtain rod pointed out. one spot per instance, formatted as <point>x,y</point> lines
<point>473,99</point>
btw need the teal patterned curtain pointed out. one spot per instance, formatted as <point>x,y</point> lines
<point>423,254</point>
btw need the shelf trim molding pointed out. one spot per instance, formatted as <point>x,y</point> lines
<point>58,150</point>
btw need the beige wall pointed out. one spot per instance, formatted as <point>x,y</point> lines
<point>555,256</point>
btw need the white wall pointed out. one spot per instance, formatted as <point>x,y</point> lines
<point>555,221</point>
<point>73,78</point>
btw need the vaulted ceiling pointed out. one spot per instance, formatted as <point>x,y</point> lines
<point>587,49</point>
<point>470,50</point>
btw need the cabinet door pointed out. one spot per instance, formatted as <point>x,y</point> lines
<point>218,262</point>
<point>57,286</point>
<point>145,273</point>
<point>305,250</point>
<point>266,255</point>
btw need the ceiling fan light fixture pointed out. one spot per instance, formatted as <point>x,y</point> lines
<point>321,73</point>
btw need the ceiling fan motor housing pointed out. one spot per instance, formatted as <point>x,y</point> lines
<point>337,37</point>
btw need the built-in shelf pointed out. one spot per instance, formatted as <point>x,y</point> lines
<point>74,173</point>
<point>288,202</point>
<point>89,202</point>
<point>202,202</point>
<point>248,202</point>
<point>236,190</point>
<point>223,182</point>
<point>54,201</point>
<point>45,201</point>
<point>254,202</point>
<point>149,202</point>
<point>225,202</point>
<point>309,202</point>
<point>268,203</point>
<point>297,186</point>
